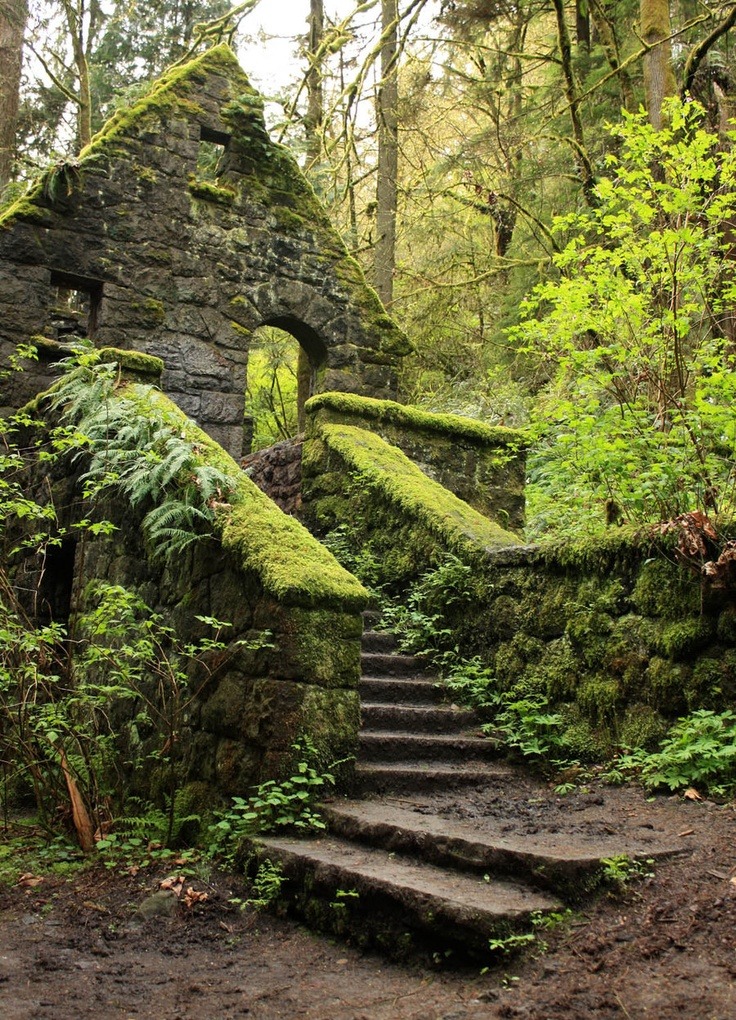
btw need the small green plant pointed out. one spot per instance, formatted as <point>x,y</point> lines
<point>274,805</point>
<point>266,886</point>
<point>525,723</point>
<point>699,751</point>
<point>471,682</point>
<point>343,897</point>
<point>509,944</point>
<point>621,870</point>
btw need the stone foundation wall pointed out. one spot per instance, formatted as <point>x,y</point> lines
<point>277,471</point>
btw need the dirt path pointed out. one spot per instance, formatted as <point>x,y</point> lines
<point>664,949</point>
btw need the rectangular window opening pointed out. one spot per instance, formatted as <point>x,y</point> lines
<point>75,304</point>
<point>212,147</point>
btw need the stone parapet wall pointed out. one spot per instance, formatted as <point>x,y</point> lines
<point>483,465</point>
<point>258,571</point>
<point>617,635</point>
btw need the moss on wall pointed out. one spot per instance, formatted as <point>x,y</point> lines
<point>453,426</point>
<point>416,502</point>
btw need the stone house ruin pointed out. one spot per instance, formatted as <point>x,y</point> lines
<point>179,231</point>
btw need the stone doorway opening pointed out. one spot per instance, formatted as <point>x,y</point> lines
<point>284,360</point>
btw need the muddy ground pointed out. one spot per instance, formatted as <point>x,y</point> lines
<point>663,948</point>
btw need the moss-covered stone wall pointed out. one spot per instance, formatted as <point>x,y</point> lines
<point>483,465</point>
<point>155,252</point>
<point>617,635</point>
<point>261,573</point>
<point>391,520</point>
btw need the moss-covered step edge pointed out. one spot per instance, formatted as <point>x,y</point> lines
<point>453,426</point>
<point>290,563</point>
<point>412,492</point>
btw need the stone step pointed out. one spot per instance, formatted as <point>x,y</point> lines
<point>378,641</point>
<point>414,691</point>
<point>382,898</point>
<point>561,862</point>
<point>391,664</point>
<point>411,747</point>
<point>429,776</point>
<point>416,718</point>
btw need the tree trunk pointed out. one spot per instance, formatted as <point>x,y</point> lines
<point>582,160</point>
<point>659,78</point>
<point>315,99</point>
<point>13,17</point>
<point>388,156</point>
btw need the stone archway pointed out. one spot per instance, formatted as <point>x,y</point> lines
<point>285,358</point>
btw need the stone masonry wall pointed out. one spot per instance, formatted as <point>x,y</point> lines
<point>258,571</point>
<point>141,247</point>
<point>481,464</point>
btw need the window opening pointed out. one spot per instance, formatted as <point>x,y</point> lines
<point>57,583</point>
<point>75,303</point>
<point>210,157</point>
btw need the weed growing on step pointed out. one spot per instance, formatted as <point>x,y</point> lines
<point>266,885</point>
<point>620,871</point>
<point>289,804</point>
<point>343,898</point>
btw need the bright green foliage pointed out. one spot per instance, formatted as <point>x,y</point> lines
<point>289,804</point>
<point>631,332</point>
<point>271,393</point>
<point>141,456</point>
<point>699,751</point>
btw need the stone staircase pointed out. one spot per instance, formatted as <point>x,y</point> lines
<point>448,847</point>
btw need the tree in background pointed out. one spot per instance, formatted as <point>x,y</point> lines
<point>632,332</point>
<point>13,16</point>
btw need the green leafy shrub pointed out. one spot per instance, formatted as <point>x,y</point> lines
<point>288,804</point>
<point>637,413</point>
<point>699,751</point>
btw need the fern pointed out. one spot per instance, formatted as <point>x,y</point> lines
<point>142,458</point>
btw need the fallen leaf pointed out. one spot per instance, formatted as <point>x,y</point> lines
<point>687,832</point>
<point>692,794</point>
<point>30,880</point>
<point>191,896</point>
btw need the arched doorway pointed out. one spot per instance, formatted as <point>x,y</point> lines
<point>284,360</point>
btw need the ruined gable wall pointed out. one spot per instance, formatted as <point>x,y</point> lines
<point>187,268</point>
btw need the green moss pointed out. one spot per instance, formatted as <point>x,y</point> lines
<point>664,685</point>
<point>681,640</point>
<point>713,681</point>
<point>167,96</point>
<point>135,362</point>
<point>290,564</point>
<point>452,426</point>
<point>642,726</point>
<point>413,494</point>
<point>212,192</point>
<point>667,590</point>
<point>287,220</point>
<point>150,311</point>
<point>726,627</point>
<point>599,699</point>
